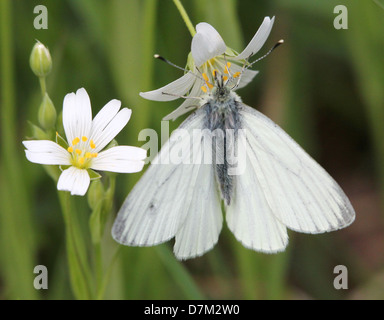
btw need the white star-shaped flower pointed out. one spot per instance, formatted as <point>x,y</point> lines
<point>208,55</point>
<point>86,139</point>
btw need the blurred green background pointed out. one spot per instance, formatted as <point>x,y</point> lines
<point>323,86</point>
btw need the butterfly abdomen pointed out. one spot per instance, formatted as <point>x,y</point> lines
<point>223,121</point>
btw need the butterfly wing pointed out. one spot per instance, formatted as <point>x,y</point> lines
<point>249,215</point>
<point>202,227</point>
<point>298,191</point>
<point>174,199</point>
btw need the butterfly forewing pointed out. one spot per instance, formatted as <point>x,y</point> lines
<point>175,199</point>
<point>299,192</point>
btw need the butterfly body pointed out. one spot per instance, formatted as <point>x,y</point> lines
<point>223,119</point>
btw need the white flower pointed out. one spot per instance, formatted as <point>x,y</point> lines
<point>86,138</point>
<point>207,51</point>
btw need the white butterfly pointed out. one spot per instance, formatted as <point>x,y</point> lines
<point>280,187</point>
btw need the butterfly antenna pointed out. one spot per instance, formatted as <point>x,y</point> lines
<point>180,96</point>
<point>157,56</point>
<point>247,66</point>
<point>278,43</point>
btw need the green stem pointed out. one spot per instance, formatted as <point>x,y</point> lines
<point>98,267</point>
<point>110,192</point>
<point>101,280</point>
<point>77,260</point>
<point>43,86</point>
<point>105,279</point>
<point>185,17</point>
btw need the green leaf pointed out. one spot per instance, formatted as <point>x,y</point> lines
<point>93,174</point>
<point>61,141</point>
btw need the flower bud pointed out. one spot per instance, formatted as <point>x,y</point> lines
<point>47,113</point>
<point>95,193</point>
<point>40,60</point>
<point>96,203</point>
<point>38,133</point>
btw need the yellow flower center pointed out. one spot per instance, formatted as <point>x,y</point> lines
<point>81,152</point>
<point>214,67</point>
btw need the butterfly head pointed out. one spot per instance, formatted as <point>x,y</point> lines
<point>221,84</point>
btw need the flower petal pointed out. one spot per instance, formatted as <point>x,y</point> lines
<point>124,153</point>
<point>124,159</point>
<point>206,44</point>
<point>189,104</point>
<point>102,138</point>
<point>74,180</point>
<point>77,115</point>
<point>120,166</point>
<point>46,152</point>
<point>105,115</point>
<point>258,39</point>
<point>175,89</point>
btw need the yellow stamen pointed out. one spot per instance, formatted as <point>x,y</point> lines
<point>204,88</point>
<point>211,62</point>
<point>88,155</point>
<point>78,151</point>
<point>237,74</point>
<point>70,149</point>
<point>94,155</point>
<point>226,69</point>
<point>225,78</point>
<point>81,160</point>
<point>92,144</point>
<point>214,72</point>
<point>210,86</point>
<point>75,141</point>
<point>84,138</point>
